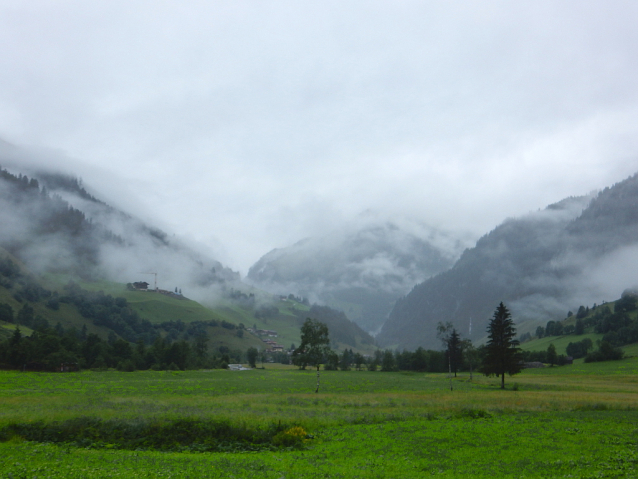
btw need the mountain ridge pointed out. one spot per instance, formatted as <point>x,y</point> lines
<point>361,268</point>
<point>541,265</point>
<point>61,232</point>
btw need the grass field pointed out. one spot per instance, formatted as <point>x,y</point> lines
<point>572,421</point>
<point>559,342</point>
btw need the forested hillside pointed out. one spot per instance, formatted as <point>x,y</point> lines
<point>36,223</point>
<point>41,328</point>
<point>53,224</point>
<point>61,248</point>
<point>579,251</point>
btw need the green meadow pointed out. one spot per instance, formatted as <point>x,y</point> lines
<point>572,421</point>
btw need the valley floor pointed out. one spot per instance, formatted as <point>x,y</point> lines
<point>574,421</point>
<point>577,444</point>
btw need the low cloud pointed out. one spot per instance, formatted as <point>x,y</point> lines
<point>253,125</point>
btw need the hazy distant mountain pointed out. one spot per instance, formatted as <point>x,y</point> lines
<point>579,251</point>
<point>54,225</point>
<point>56,229</point>
<point>361,269</point>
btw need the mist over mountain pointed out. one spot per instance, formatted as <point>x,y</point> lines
<point>53,224</point>
<point>582,250</point>
<point>361,268</point>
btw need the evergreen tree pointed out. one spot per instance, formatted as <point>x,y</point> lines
<point>6,313</point>
<point>502,354</point>
<point>388,363</point>
<point>552,356</point>
<point>331,361</point>
<point>200,345</point>
<point>16,353</point>
<point>582,312</point>
<point>419,360</point>
<point>139,355</point>
<point>359,360</point>
<point>26,315</point>
<point>451,340</point>
<point>580,327</point>
<point>346,359</point>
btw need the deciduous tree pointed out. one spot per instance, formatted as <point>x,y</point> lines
<point>315,344</point>
<point>252,354</point>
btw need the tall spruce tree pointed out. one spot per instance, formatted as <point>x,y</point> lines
<point>502,354</point>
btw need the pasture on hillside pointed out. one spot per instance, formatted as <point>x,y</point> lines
<point>570,421</point>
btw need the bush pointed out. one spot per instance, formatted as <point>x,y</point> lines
<point>606,352</point>
<point>472,413</point>
<point>294,437</point>
<point>126,365</point>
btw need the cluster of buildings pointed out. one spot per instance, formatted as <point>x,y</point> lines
<point>263,332</point>
<point>273,346</point>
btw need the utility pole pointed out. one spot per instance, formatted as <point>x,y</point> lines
<point>443,333</point>
<point>449,364</point>
<point>154,274</point>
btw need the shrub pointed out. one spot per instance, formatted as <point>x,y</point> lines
<point>126,365</point>
<point>606,352</point>
<point>472,413</point>
<point>294,437</point>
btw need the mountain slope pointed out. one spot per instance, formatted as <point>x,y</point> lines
<point>361,269</point>
<point>59,232</point>
<point>53,224</point>
<point>578,251</point>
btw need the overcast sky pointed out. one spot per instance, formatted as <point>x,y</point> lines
<point>248,125</point>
